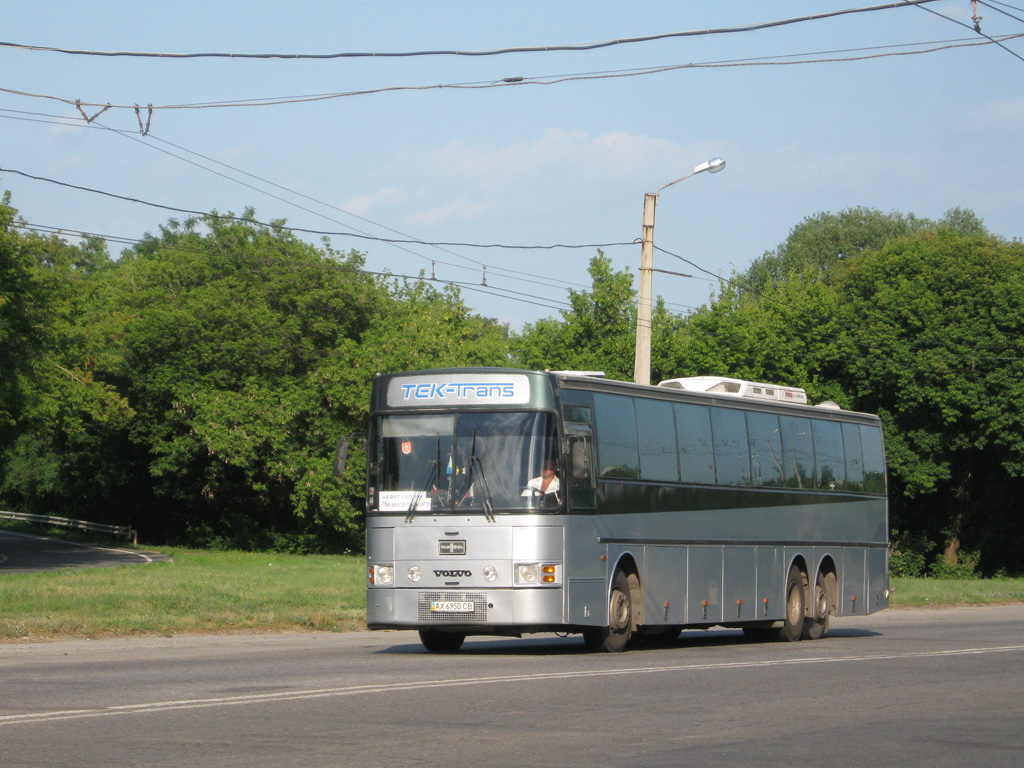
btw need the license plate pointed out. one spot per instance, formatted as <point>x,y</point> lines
<point>452,606</point>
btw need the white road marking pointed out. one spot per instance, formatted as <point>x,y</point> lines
<point>356,690</point>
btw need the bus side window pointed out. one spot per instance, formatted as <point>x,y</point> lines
<point>829,455</point>
<point>618,450</point>
<point>874,459</point>
<point>854,457</point>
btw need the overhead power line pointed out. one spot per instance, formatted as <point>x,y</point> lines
<point>491,290</point>
<point>490,52</point>
<point>496,270</point>
<point>976,28</point>
<point>768,61</point>
<point>521,277</point>
<point>303,230</point>
<point>993,5</point>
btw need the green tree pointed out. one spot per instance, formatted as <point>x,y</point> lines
<point>921,324</point>
<point>820,244</point>
<point>220,327</point>
<point>53,462</point>
<point>938,322</point>
<point>422,327</point>
<point>17,337</point>
<point>597,332</point>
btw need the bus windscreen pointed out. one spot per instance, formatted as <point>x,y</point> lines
<point>471,461</point>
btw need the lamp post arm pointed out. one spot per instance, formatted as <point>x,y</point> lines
<point>681,178</point>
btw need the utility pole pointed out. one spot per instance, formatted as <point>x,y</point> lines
<point>642,359</point>
<point>645,295</point>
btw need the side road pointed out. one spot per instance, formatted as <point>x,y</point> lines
<point>23,553</point>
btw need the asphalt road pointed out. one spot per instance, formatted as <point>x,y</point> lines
<point>900,688</point>
<point>22,552</point>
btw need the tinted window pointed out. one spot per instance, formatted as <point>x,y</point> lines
<point>693,439</point>
<point>830,464</point>
<point>797,451</point>
<point>617,451</point>
<point>854,457</point>
<point>732,461</point>
<point>657,440</point>
<point>874,459</point>
<point>765,448</point>
<point>577,414</point>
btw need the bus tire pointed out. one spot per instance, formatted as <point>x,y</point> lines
<point>436,641</point>
<point>796,603</point>
<point>614,637</point>
<point>816,624</point>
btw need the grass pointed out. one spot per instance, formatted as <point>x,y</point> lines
<point>195,593</point>
<point>918,593</point>
<point>209,591</point>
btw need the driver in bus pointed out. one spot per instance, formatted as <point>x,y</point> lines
<point>546,485</point>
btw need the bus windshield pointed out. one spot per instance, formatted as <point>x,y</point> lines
<point>466,462</point>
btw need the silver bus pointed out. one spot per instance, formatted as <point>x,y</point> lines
<point>504,501</point>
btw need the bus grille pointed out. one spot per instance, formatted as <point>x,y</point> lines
<point>478,599</point>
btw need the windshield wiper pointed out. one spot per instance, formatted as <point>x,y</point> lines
<point>433,472</point>
<point>474,462</point>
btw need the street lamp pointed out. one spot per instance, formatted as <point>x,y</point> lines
<point>642,360</point>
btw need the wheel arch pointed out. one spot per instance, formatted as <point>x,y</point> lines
<point>800,562</point>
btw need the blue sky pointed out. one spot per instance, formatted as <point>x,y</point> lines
<point>529,164</point>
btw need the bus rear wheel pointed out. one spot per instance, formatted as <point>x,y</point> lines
<point>436,641</point>
<point>615,636</point>
<point>796,600</point>
<point>816,624</point>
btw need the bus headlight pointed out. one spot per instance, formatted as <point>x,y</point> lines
<point>415,573</point>
<point>383,575</point>
<point>490,573</point>
<point>527,574</point>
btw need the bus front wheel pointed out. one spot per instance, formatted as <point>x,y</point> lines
<point>615,636</point>
<point>441,642</point>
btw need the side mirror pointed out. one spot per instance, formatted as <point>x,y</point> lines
<point>341,457</point>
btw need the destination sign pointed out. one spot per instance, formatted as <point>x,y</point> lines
<point>459,389</point>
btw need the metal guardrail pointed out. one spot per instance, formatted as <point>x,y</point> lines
<point>78,525</point>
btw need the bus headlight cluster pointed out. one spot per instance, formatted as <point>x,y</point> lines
<point>490,573</point>
<point>415,573</point>
<point>540,574</point>
<point>383,575</point>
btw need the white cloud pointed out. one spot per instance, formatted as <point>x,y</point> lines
<point>803,167</point>
<point>70,127</point>
<point>234,154</point>
<point>556,170</point>
<point>997,116</point>
<point>574,155</point>
<point>364,205</point>
<point>453,212</point>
